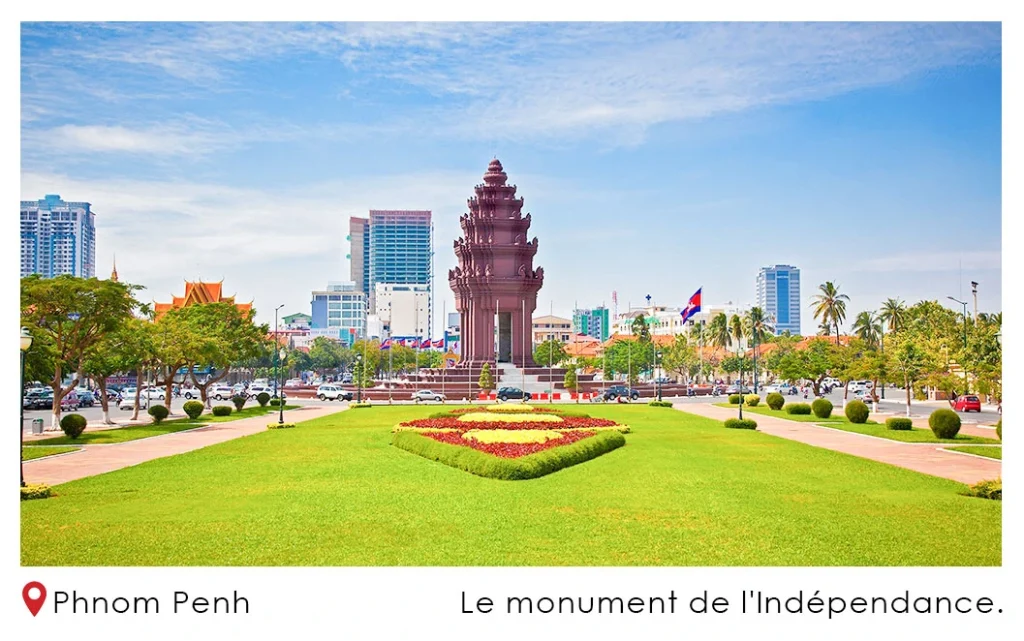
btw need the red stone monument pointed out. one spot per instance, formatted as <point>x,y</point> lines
<point>495,283</point>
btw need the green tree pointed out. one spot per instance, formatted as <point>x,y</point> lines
<point>571,381</point>
<point>175,338</point>
<point>221,336</point>
<point>829,305</point>
<point>736,328</point>
<point>368,360</point>
<point>486,381</point>
<point>629,357</point>
<point>125,350</point>
<point>549,353</point>
<point>325,355</point>
<point>813,363</point>
<point>910,362</point>
<point>680,357</point>
<point>868,328</point>
<point>893,314</point>
<point>738,364</point>
<point>640,329</point>
<point>72,315</point>
<point>718,329</point>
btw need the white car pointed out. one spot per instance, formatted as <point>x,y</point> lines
<point>427,395</point>
<point>333,393</point>
<point>153,393</point>
<point>220,393</point>
<point>256,390</point>
<point>192,393</point>
<point>859,387</point>
<point>769,389</point>
<point>293,382</point>
<point>128,402</point>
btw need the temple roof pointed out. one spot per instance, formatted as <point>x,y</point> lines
<point>495,173</point>
<point>198,293</point>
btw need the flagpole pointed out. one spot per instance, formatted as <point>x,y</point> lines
<point>497,339</point>
<point>416,319</point>
<point>524,345</point>
<point>551,364</point>
<point>444,341</point>
<point>391,374</point>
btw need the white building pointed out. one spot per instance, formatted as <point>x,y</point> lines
<point>57,237</point>
<point>340,308</point>
<point>668,321</point>
<point>778,294</point>
<point>404,309</point>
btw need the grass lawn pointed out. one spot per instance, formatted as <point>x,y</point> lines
<point>839,421</point>
<point>683,491</point>
<point>134,432</point>
<point>29,453</point>
<point>987,452</point>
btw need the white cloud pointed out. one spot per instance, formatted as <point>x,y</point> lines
<point>942,261</point>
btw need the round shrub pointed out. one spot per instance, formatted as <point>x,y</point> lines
<point>999,429</point>
<point>221,410</point>
<point>798,408</point>
<point>857,411</point>
<point>158,412</point>
<point>193,409</point>
<point>263,398</point>
<point>753,400</point>
<point>822,407</point>
<point>734,399</point>
<point>239,401</point>
<point>899,423</point>
<point>274,402</point>
<point>775,401</point>
<point>73,425</point>
<point>660,403</point>
<point>944,423</point>
<point>741,424</point>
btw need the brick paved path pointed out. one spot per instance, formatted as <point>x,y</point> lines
<point>925,458</point>
<point>99,459</point>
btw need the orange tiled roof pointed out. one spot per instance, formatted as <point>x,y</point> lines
<point>198,293</point>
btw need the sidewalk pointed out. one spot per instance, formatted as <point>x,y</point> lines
<point>926,459</point>
<point>99,459</point>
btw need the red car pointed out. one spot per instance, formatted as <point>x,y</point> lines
<point>967,404</point>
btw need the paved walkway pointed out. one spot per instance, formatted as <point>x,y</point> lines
<point>924,458</point>
<point>99,459</point>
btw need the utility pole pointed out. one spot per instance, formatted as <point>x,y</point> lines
<point>974,290</point>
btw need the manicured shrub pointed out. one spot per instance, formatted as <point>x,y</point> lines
<point>275,402</point>
<point>734,399</point>
<point>660,403</point>
<point>775,401</point>
<point>73,425</point>
<point>36,491</point>
<point>752,399</point>
<point>359,406</point>
<point>239,401</point>
<point>279,426</point>
<point>221,410</point>
<point>944,423</point>
<point>899,423</point>
<point>798,408</point>
<point>999,429</point>
<point>509,469</point>
<point>193,409</point>
<point>986,490</point>
<point>741,424</point>
<point>263,398</point>
<point>857,411</point>
<point>158,412</point>
<point>822,407</point>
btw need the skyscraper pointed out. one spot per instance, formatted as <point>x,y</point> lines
<point>342,307</point>
<point>359,248</point>
<point>592,322</point>
<point>778,295</point>
<point>57,237</point>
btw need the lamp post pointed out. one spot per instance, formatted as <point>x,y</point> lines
<point>657,355</point>
<point>277,344</point>
<point>739,388</point>
<point>26,343</point>
<point>359,378</point>
<point>280,416</point>
<point>964,364</point>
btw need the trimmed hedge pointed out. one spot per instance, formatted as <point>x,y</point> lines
<point>752,399</point>
<point>660,403</point>
<point>775,401</point>
<point>193,409</point>
<point>158,412</point>
<point>798,408</point>
<point>986,490</point>
<point>999,429</point>
<point>73,425</point>
<point>359,406</point>
<point>279,426</point>
<point>221,410</point>
<point>509,469</point>
<point>898,423</point>
<point>734,399</point>
<point>263,398</point>
<point>857,411</point>
<point>239,401</point>
<point>741,424</point>
<point>822,407</point>
<point>275,402</point>
<point>35,491</point>
<point>944,423</point>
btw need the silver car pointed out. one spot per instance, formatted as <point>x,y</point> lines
<point>427,395</point>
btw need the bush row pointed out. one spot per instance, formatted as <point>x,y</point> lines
<point>221,410</point>
<point>35,491</point>
<point>986,490</point>
<point>509,469</point>
<point>279,426</point>
<point>999,429</point>
<point>798,408</point>
<point>660,403</point>
<point>898,423</point>
<point>741,424</point>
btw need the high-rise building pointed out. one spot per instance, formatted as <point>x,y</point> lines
<point>341,306</point>
<point>404,309</point>
<point>57,237</point>
<point>592,322</point>
<point>778,295</point>
<point>359,248</point>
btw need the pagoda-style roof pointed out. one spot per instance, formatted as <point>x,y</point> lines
<point>199,293</point>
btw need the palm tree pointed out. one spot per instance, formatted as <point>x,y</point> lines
<point>868,328</point>
<point>824,329</point>
<point>736,327</point>
<point>719,331</point>
<point>894,314</point>
<point>830,306</point>
<point>758,326</point>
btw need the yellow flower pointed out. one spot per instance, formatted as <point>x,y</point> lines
<point>507,407</point>
<point>511,436</point>
<point>485,417</point>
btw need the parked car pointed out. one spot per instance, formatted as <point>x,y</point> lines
<point>86,399</point>
<point>293,382</point>
<point>736,388</point>
<point>70,402</point>
<point>856,387</point>
<point>256,390</point>
<point>664,380</point>
<point>505,393</point>
<point>220,393</point>
<point>333,393</point>
<point>967,403</point>
<point>346,378</point>
<point>427,395</point>
<point>151,393</point>
<point>191,393</point>
<point>128,403</point>
<point>36,399</point>
<point>616,391</point>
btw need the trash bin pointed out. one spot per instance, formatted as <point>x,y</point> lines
<point>37,426</point>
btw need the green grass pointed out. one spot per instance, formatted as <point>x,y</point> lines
<point>839,421</point>
<point>682,491</point>
<point>135,432</point>
<point>987,452</point>
<point>32,452</point>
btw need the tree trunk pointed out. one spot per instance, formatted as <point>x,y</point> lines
<point>169,392</point>
<point>907,383</point>
<point>138,393</point>
<point>104,403</point>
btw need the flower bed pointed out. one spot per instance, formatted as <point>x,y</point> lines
<point>510,423</point>
<point>506,449</point>
<point>493,417</point>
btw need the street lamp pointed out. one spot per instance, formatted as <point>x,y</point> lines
<point>657,355</point>
<point>280,416</point>
<point>964,364</point>
<point>26,343</point>
<point>359,378</point>
<point>276,345</point>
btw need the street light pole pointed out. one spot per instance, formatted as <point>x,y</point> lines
<point>280,405</point>
<point>26,343</point>
<point>656,356</point>
<point>359,378</point>
<point>964,364</point>
<point>277,346</point>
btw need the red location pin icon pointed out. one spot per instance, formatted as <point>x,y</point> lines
<point>34,604</point>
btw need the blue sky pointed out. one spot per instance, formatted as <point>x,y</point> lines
<point>655,158</point>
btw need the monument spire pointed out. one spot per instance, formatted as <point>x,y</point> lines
<point>113,274</point>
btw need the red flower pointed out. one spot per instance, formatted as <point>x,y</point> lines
<point>510,424</point>
<point>507,450</point>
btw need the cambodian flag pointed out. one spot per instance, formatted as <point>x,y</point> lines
<point>439,343</point>
<point>692,307</point>
<point>386,344</point>
<point>425,344</point>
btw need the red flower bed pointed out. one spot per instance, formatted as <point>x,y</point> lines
<point>510,424</point>
<point>507,450</point>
